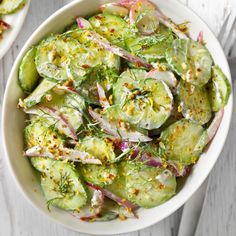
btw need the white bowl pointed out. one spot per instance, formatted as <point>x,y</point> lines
<point>13,124</point>
<point>16,21</point>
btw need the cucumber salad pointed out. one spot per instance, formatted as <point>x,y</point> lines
<point>8,7</point>
<point>119,107</point>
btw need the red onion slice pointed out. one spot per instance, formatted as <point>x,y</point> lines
<point>157,162</point>
<point>117,132</point>
<point>166,76</point>
<point>4,25</point>
<point>215,124</point>
<point>179,172</point>
<point>200,37</point>
<point>66,89</point>
<point>102,96</point>
<point>83,24</point>
<point>170,24</point>
<point>115,9</point>
<point>115,198</point>
<point>63,124</point>
<point>153,161</point>
<point>124,146</point>
<point>36,151</point>
<point>65,154</point>
<point>150,160</point>
<point>126,3</point>
<point>118,51</point>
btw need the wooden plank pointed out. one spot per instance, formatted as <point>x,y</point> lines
<point>211,11</point>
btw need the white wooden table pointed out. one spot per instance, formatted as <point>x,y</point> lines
<point>17,217</point>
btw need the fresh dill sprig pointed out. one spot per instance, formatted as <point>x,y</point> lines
<point>63,189</point>
<point>64,183</point>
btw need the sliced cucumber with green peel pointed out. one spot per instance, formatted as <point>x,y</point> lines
<point>99,148</point>
<point>219,89</point>
<point>62,111</point>
<point>69,105</point>
<point>41,133</point>
<point>194,102</point>
<point>28,75</point>
<point>67,100</point>
<point>151,48</point>
<point>42,164</point>
<point>113,28</point>
<point>92,63</point>
<point>191,60</point>
<point>99,175</point>
<point>180,142</point>
<point>62,187</point>
<point>112,122</point>
<point>91,54</point>
<point>118,185</point>
<point>104,75</point>
<point>54,55</point>
<point>128,81</point>
<point>11,6</point>
<point>39,93</point>
<point>146,103</point>
<point>143,186</point>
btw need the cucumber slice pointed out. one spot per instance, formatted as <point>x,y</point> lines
<point>150,48</point>
<point>92,64</point>
<point>62,187</point>
<point>54,55</point>
<point>112,123</point>
<point>11,6</point>
<point>180,142</point>
<point>191,60</point>
<point>75,101</point>
<point>114,9</point>
<point>39,93</point>
<point>129,78</point>
<point>99,175</point>
<point>219,88</point>
<point>41,164</point>
<point>118,185</point>
<point>63,101</point>
<point>143,186</point>
<point>63,111</point>
<point>146,103</point>
<point>98,148</point>
<point>111,27</point>
<point>41,133</point>
<point>194,102</point>
<point>70,105</point>
<point>144,17</point>
<point>91,54</point>
<point>103,75</point>
<point>28,75</point>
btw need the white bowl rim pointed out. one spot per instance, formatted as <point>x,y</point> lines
<point>4,131</point>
